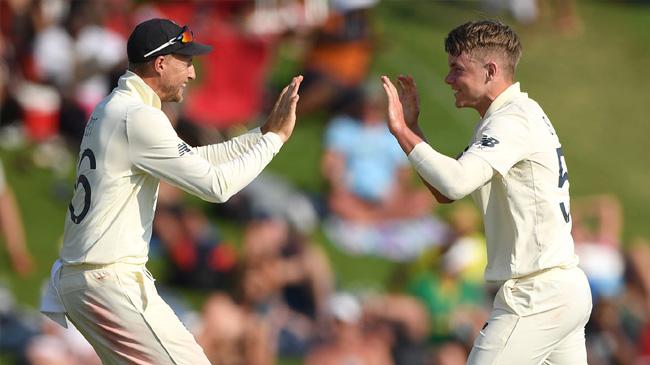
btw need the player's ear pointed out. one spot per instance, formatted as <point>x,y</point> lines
<point>159,64</point>
<point>491,70</point>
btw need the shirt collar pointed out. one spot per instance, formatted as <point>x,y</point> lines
<point>506,95</point>
<point>134,84</point>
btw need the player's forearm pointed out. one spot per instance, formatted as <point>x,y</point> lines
<point>196,174</point>
<point>222,181</point>
<point>440,198</point>
<point>411,138</point>
<point>415,128</point>
<point>225,151</point>
<point>454,179</point>
<point>408,138</point>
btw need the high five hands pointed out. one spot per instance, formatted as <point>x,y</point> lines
<point>403,104</point>
<point>282,118</point>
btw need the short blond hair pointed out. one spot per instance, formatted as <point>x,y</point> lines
<point>480,37</point>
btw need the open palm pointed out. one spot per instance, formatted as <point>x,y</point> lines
<point>408,96</point>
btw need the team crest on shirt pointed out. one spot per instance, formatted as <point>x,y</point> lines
<point>183,148</point>
<point>486,141</point>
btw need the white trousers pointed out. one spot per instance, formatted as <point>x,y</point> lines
<point>118,310</point>
<point>537,320</point>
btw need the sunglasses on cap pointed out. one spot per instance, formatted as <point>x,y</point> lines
<point>185,36</point>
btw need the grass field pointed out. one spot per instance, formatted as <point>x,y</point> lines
<point>593,86</point>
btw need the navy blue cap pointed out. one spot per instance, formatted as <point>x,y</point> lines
<point>152,34</point>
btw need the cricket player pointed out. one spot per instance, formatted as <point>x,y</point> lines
<point>516,172</point>
<point>100,282</point>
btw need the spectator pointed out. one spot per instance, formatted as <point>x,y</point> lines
<point>273,195</point>
<point>469,241</point>
<point>638,269</point>
<point>451,353</point>
<point>404,323</point>
<point>375,207</point>
<point>230,335</point>
<point>11,113</point>
<point>60,346</point>
<point>347,343</point>
<point>606,340</point>
<point>339,57</point>
<point>81,58</point>
<point>455,305</point>
<point>634,301</point>
<point>597,226</point>
<point>286,280</point>
<point>562,13</point>
<point>12,229</point>
<point>197,256</point>
<point>598,219</point>
<point>21,324</point>
<point>232,90</point>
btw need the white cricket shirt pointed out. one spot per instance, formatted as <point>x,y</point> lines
<point>526,203</point>
<point>128,146</point>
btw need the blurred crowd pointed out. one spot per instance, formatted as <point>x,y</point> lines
<point>274,294</point>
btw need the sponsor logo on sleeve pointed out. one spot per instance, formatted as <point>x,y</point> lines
<point>486,142</point>
<point>183,148</point>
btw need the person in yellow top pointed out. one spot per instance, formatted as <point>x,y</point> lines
<point>516,172</point>
<point>100,282</point>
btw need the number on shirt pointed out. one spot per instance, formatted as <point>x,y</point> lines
<point>83,180</point>
<point>564,177</point>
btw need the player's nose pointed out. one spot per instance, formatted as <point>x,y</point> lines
<point>191,73</point>
<point>449,79</point>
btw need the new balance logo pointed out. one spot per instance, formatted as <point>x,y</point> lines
<point>487,141</point>
<point>183,149</point>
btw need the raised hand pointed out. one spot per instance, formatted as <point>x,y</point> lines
<point>396,122</point>
<point>408,96</point>
<point>408,135</point>
<point>282,119</point>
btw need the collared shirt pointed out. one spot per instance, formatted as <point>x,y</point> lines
<point>526,203</point>
<point>129,144</point>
